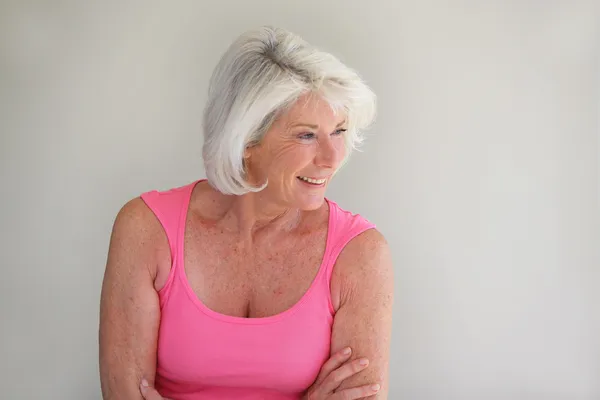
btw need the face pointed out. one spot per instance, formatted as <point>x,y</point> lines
<point>299,154</point>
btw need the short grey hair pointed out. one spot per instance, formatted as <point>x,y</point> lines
<point>262,73</point>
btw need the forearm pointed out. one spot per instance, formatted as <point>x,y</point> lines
<point>126,356</point>
<point>117,389</point>
<point>120,379</point>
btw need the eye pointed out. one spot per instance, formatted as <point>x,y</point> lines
<point>339,132</point>
<point>307,136</point>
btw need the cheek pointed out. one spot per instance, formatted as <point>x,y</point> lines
<point>292,159</point>
<point>340,149</point>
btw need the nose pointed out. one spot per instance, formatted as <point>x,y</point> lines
<point>329,153</point>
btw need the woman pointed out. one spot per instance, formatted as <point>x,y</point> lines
<point>251,284</point>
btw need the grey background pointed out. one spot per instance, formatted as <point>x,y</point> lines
<point>482,171</point>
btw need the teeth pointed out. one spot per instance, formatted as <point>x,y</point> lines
<point>313,181</point>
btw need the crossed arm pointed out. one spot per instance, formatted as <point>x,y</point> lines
<point>362,288</point>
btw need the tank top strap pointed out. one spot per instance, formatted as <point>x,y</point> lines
<point>170,208</point>
<point>344,227</point>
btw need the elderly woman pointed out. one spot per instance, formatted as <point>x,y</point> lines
<point>251,284</point>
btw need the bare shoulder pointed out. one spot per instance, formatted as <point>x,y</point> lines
<point>365,262</point>
<point>134,217</point>
<point>137,230</point>
<point>370,245</point>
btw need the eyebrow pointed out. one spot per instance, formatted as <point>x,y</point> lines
<point>311,126</point>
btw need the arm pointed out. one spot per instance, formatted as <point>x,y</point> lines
<point>129,305</point>
<point>363,285</point>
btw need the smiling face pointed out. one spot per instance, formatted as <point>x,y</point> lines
<point>299,154</point>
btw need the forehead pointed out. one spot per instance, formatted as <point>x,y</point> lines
<point>314,110</point>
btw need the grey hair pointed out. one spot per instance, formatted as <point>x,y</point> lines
<point>261,74</point>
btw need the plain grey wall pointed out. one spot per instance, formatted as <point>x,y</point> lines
<point>482,171</point>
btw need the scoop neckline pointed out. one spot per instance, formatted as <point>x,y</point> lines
<point>242,320</point>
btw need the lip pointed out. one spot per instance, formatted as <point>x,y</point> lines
<point>313,177</point>
<point>313,185</point>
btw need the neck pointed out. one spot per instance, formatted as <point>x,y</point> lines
<point>254,212</point>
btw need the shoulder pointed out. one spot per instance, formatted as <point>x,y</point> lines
<point>137,234</point>
<point>367,253</point>
<point>363,273</point>
<point>371,240</point>
<point>134,218</point>
<point>364,264</point>
<point>145,220</point>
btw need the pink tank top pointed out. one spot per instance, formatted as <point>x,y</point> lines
<point>203,354</point>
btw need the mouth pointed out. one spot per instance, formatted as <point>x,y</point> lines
<point>314,182</point>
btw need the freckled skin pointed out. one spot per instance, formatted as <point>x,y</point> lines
<point>250,256</point>
<point>243,251</point>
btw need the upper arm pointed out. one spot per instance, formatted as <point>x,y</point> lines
<point>129,304</point>
<point>363,320</point>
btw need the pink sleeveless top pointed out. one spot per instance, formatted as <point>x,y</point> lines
<point>203,354</point>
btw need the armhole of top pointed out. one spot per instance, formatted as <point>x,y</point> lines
<point>152,201</point>
<point>339,246</point>
<point>171,209</point>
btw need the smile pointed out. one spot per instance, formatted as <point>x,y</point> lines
<point>312,181</point>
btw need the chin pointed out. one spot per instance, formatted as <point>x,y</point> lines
<point>308,198</point>
<point>310,204</point>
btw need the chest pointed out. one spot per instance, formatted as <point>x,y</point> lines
<point>267,278</point>
<point>206,356</point>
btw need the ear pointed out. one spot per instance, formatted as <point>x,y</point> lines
<point>248,150</point>
<point>247,155</point>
